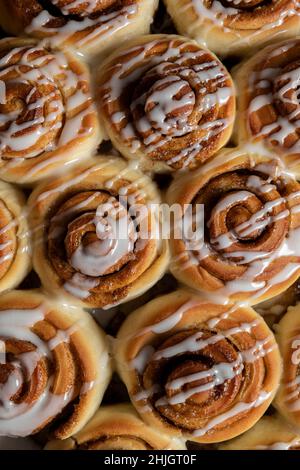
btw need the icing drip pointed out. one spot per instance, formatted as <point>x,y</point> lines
<point>240,407</point>
<point>121,226</point>
<point>216,375</point>
<point>117,236</point>
<point>177,89</point>
<point>227,18</point>
<point>276,87</point>
<point>102,26</point>
<point>267,216</point>
<point>55,107</point>
<point>22,419</point>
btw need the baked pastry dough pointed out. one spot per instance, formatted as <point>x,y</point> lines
<point>287,400</point>
<point>249,248</point>
<point>197,369</point>
<point>117,427</point>
<point>166,102</point>
<point>96,234</point>
<point>268,103</point>
<point>15,239</point>
<point>91,26</point>
<point>47,115</point>
<point>235,27</point>
<point>269,433</point>
<point>53,359</point>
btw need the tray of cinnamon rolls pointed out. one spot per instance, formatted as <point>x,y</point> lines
<point>150,224</point>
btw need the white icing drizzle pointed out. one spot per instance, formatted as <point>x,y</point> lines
<point>215,15</point>
<point>117,236</point>
<point>218,373</point>
<point>102,26</point>
<point>43,114</point>
<point>292,387</point>
<point>115,223</point>
<point>255,262</point>
<point>171,99</point>
<point>88,6</point>
<point>170,321</point>
<point>23,419</point>
<point>140,361</point>
<point>276,134</point>
<point>240,407</point>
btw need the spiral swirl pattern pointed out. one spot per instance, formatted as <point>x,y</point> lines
<point>287,400</point>
<point>269,108</point>
<point>235,27</point>
<point>117,427</point>
<point>46,110</point>
<point>14,237</point>
<point>91,26</point>
<point>198,369</point>
<point>50,364</point>
<point>166,101</point>
<point>97,233</point>
<point>250,249</point>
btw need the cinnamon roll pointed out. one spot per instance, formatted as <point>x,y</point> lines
<point>54,363</point>
<point>287,400</point>
<point>166,102</point>
<point>96,234</point>
<point>117,427</point>
<point>15,246</point>
<point>235,27</point>
<point>273,309</point>
<point>90,26</point>
<point>268,103</point>
<point>196,369</point>
<point>269,433</point>
<point>247,247</point>
<point>47,115</point>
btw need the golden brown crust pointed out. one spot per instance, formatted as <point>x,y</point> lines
<point>57,360</point>
<point>15,245</point>
<point>230,27</point>
<point>117,427</point>
<point>66,215</point>
<point>179,357</point>
<point>92,27</point>
<point>177,108</point>
<point>269,433</point>
<point>48,115</point>
<point>287,334</point>
<point>250,250</point>
<point>268,105</point>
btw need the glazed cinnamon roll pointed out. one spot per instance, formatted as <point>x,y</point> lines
<point>47,115</point>
<point>15,246</point>
<point>117,427</point>
<point>268,102</point>
<point>166,102</point>
<point>273,309</point>
<point>54,363</point>
<point>247,248</point>
<point>96,234</point>
<point>287,400</point>
<point>269,433</point>
<point>235,27</point>
<point>91,26</point>
<point>196,369</point>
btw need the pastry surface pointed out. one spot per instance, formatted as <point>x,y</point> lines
<point>149,225</point>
